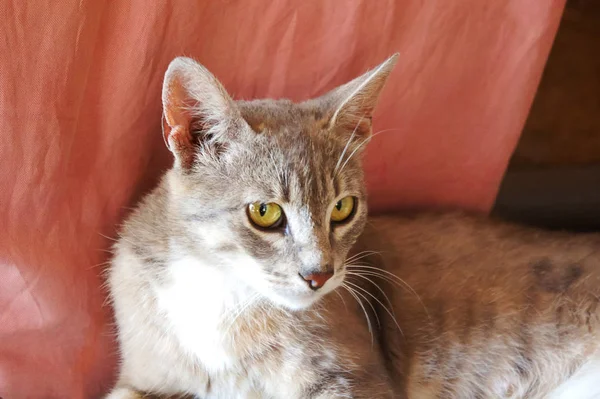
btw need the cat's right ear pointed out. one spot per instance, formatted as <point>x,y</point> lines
<point>197,111</point>
<point>349,108</point>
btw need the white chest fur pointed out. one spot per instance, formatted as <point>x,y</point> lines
<point>198,302</point>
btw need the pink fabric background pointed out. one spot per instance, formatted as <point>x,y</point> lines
<point>80,133</point>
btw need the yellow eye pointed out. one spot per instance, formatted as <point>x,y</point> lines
<point>342,209</point>
<point>265,215</point>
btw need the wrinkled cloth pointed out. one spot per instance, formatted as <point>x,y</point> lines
<point>80,116</point>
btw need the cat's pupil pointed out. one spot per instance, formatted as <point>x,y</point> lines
<point>262,209</point>
<point>338,205</point>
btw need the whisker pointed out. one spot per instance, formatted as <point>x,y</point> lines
<point>108,238</point>
<point>108,251</point>
<point>116,240</point>
<point>366,140</point>
<point>346,147</point>
<point>99,265</point>
<point>381,303</point>
<point>368,302</point>
<point>361,255</point>
<point>107,301</point>
<point>377,133</point>
<point>377,269</point>
<point>237,312</point>
<point>376,286</point>
<point>382,276</point>
<point>354,152</point>
<point>353,257</point>
<point>342,298</point>
<point>351,292</point>
<point>391,276</point>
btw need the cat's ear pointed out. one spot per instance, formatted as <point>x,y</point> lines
<point>196,110</point>
<point>349,108</point>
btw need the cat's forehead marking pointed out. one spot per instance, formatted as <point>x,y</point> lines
<point>276,115</point>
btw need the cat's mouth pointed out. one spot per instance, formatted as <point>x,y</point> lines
<point>300,300</point>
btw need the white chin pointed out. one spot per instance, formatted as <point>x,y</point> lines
<point>295,302</point>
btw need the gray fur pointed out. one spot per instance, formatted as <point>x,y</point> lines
<point>432,306</point>
<point>228,154</point>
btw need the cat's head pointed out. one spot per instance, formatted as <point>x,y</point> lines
<point>271,191</point>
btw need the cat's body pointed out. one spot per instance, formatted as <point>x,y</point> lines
<point>496,311</point>
<point>493,310</point>
<point>183,336</point>
<point>212,304</point>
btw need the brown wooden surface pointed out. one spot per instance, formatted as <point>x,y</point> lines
<point>563,127</point>
<point>554,175</point>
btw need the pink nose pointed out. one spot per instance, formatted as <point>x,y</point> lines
<point>317,280</point>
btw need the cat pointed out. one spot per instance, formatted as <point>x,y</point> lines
<point>251,270</point>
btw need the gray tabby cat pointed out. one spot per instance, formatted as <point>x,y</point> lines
<point>249,272</point>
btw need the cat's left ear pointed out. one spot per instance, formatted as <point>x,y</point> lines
<point>198,114</point>
<point>349,108</point>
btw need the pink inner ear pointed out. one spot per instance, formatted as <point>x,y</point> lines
<point>359,127</point>
<point>176,104</point>
<point>177,122</point>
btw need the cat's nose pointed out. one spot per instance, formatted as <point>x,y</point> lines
<point>317,280</point>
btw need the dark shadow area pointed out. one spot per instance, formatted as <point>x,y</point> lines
<point>565,197</point>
